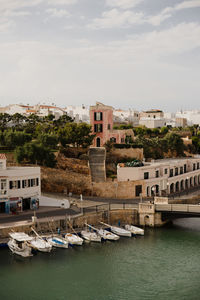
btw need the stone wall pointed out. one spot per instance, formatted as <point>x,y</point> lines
<point>114,189</point>
<point>131,152</point>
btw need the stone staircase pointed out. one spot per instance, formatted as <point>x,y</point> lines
<point>97,158</point>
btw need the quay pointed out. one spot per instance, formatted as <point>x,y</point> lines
<point>152,213</point>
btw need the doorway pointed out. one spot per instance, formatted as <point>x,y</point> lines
<point>98,142</point>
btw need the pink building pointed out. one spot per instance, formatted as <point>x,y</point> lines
<point>101,119</point>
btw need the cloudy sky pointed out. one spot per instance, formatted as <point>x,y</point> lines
<point>127,53</point>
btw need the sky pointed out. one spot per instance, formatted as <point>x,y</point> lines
<point>139,54</point>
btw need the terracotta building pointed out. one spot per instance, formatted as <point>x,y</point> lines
<point>101,119</point>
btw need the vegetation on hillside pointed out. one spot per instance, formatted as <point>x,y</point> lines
<point>34,139</point>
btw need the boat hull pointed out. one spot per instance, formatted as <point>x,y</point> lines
<point>73,239</point>
<point>135,230</point>
<point>121,232</point>
<point>91,236</point>
<point>25,251</point>
<point>41,245</point>
<point>58,243</point>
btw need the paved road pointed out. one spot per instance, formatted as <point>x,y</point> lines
<point>40,214</point>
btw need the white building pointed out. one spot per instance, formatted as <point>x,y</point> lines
<point>80,113</point>
<point>192,116</point>
<point>153,118</point>
<point>165,176</point>
<point>126,116</point>
<point>20,187</point>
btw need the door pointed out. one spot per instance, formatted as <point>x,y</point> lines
<point>98,142</point>
<point>138,190</point>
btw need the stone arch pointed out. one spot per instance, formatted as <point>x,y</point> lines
<point>177,186</point>
<point>155,189</point>
<point>147,220</point>
<point>182,185</point>
<point>191,181</point>
<point>199,179</point>
<point>171,188</point>
<point>186,183</point>
<point>195,180</point>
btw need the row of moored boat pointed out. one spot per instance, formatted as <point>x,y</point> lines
<point>22,244</point>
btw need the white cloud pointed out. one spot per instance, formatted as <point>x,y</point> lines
<point>57,13</point>
<point>187,4</point>
<point>116,18</point>
<point>124,4</point>
<point>39,70</point>
<point>168,11</point>
<point>60,2</point>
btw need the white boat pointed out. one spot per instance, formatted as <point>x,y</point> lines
<point>38,243</point>
<point>107,235</point>
<point>73,239</point>
<point>91,236</point>
<point>120,231</point>
<point>58,242</point>
<point>41,245</point>
<point>18,244</point>
<point>134,229</point>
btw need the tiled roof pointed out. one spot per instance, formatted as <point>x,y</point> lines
<point>2,156</point>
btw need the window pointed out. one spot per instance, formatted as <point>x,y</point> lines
<point>24,183</point>
<point>157,173</point>
<point>1,165</point>
<point>113,139</point>
<point>165,171</point>
<point>37,181</point>
<point>185,168</point>
<point>98,128</point>
<point>15,184</point>
<point>3,186</point>
<point>122,140</point>
<point>181,170</point>
<point>108,126</point>
<point>197,165</point>
<point>176,171</point>
<point>146,175</point>
<point>171,173</point>
<point>194,167</point>
<point>98,116</point>
<point>33,182</point>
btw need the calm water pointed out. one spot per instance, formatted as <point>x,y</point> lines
<point>164,264</point>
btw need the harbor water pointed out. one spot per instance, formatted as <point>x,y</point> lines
<point>164,264</point>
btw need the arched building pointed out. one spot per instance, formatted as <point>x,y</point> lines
<point>162,177</point>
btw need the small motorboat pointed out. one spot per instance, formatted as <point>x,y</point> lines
<point>38,243</point>
<point>73,239</point>
<point>18,244</point>
<point>91,236</point>
<point>58,242</point>
<point>120,231</point>
<point>107,235</point>
<point>134,229</point>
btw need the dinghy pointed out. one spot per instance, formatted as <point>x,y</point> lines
<point>18,244</point>
<point>118,230</point>
<point>134,229</point>
<point>58,242</point>
<point>107,235</point>
<point>38,243</point>
<point>73,239</point>
<point>90,236</point>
